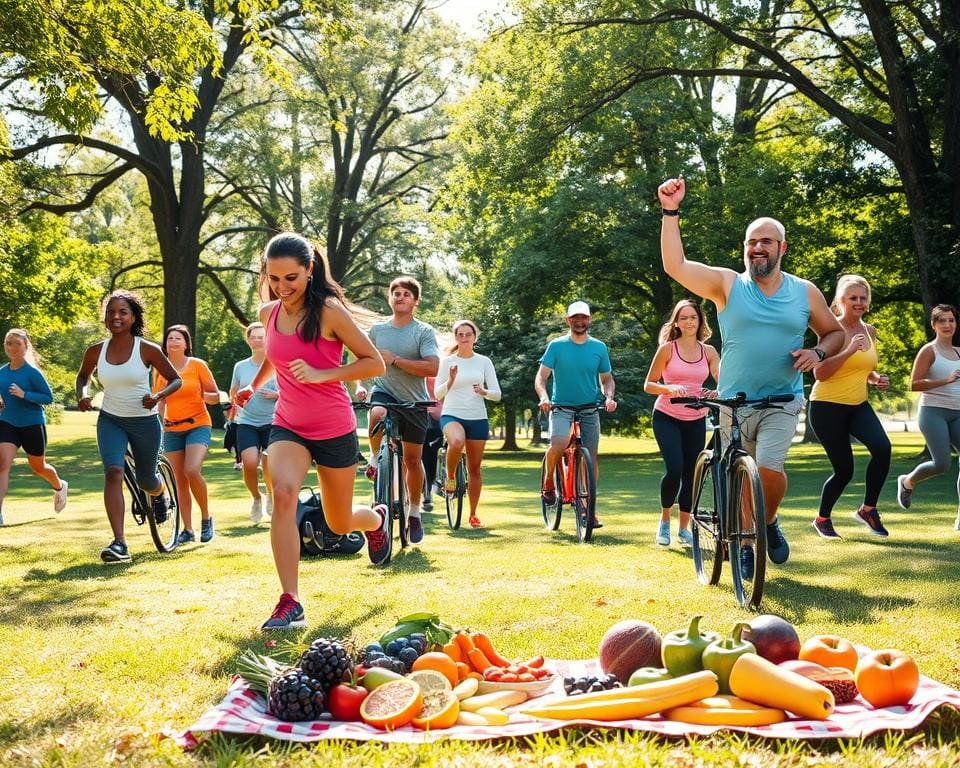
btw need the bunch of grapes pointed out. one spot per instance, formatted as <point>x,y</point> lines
<point>573,686</point>
<point>399,654</point>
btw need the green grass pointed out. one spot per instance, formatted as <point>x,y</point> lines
<point>97,660</point>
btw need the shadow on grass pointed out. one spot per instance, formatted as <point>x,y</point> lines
<point>845,605</point>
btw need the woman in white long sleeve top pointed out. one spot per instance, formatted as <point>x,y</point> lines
<point>465,380</point>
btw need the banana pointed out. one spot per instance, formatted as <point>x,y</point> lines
<point>498,699</point>
<point>725,710</point>
<point>471,718</point>
<point>493,716</point>
<point>467,688</point>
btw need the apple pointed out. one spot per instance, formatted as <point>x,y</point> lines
<point>774,637</point>
<point>344,700</point>
<point>887,678</point>
<point>830,651</point>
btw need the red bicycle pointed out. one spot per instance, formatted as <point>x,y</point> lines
<point>573,478</point>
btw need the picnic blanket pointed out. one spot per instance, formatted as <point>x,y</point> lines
<point>243,711</point>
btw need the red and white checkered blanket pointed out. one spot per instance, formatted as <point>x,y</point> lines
<point>243,711</point>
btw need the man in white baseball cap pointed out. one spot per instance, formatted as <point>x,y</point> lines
<point>582,376</point>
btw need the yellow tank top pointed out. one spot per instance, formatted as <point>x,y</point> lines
<point>848,386</point>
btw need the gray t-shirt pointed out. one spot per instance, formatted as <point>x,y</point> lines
<point>414,341</point>
<point>258,412</point>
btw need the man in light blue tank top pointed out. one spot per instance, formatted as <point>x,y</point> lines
<point>763,314</point>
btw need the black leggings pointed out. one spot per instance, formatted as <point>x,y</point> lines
<point>835,424</point>
<point>431,446</point>
<point>680,442</point>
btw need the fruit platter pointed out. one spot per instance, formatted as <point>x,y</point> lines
<point>422,680</point>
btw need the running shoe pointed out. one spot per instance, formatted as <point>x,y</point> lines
<point>206,530</point>
<point>685,537</point>
<point>186,537</point>
<point>871,519</point>
<point>663,533</point>
<point>475,522</point>
<point>287,615</point>
<point>159,505</point>
<point>60,497</point>
<point>1,518</point>
<point>256,511</point>
<point>746,562</point>
<point>903,493</point>
<point>370,472</point>
<point>427,503</point>
<point>415,530</point>
<point>115,552</point>
<point>777,548</point>
<point>549,497</point>
<point>378,545</point>
<point>824,526</point>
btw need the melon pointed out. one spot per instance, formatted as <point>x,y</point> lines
<point>627,646</point>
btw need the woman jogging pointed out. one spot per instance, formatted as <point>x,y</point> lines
<point>23,393</point>
<point>840,412</point>
<point>187,428</point>
<point>936,374</point>
<point>465,381</point>
<point>129,410</point>
<point>308,325</point>
<point>679,368</point>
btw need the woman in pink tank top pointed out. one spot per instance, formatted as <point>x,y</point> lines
<point>679,368</point>
<point>308,324</point>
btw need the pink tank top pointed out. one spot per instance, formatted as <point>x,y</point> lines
<point>690,375</point>
<point>312,411</point>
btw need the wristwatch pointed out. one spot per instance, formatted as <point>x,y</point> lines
<point>821,355</point>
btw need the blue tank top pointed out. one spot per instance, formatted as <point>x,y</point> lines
<point>759,332</point>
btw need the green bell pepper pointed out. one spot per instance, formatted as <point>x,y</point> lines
<point>682,650</point>
<point>649,675</point>
<point>719,656</point>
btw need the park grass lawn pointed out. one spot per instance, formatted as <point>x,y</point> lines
<point>99,660</point>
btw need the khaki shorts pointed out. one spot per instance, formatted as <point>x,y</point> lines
<point>766,434</point>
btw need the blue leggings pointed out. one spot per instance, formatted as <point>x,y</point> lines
<point>142,433</point>
<point>835,424</point>
<point>941,429</point>
<point>680,443</point>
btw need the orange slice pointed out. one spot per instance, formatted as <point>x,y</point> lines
<point>392,704</point>
<point>440,710</point>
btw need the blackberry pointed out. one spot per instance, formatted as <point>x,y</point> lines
<point>574,686</point>
<point>327,660</point>
<point>295,696</point>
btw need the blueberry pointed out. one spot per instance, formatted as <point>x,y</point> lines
<point>393,647</point>
<point>373,647</point>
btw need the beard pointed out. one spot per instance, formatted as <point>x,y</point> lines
<point>763,268</point>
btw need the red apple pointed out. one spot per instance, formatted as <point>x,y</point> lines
<point>887,678</point>
<point>830,651</point>
<point>775,638</point>
<point>344,701</point>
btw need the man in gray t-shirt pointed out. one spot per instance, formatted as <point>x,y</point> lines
<point>409,349</point>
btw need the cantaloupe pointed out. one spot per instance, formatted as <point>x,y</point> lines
<point>627,646</point>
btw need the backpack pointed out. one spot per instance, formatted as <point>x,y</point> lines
<point>316,538</point>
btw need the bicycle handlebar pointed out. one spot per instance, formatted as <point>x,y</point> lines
<point>365,405</point>
<point>578,408</point>
<point>738,401</point>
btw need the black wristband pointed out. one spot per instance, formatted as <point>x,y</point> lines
<point>669,212</point>
<point>820,353</point>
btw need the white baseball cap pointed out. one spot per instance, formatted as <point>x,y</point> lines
<point>578,308</point>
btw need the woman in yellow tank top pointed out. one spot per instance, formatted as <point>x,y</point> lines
<point>839,410</point>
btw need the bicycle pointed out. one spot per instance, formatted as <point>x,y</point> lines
<point>454,499</point>
<point>725,521</point>
<point>389,486</point>
<point>163,531</point>
<point>573,479</point>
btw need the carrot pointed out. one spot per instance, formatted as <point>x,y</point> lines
<point>453,651</point>
<point>477,660</point>
<point>463,641</point>
<point>463,670</point>
<point>483,643</point>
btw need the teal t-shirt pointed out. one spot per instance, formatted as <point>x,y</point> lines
<point>258,412</point>
<point>576,369</point>
<point>26,411</point>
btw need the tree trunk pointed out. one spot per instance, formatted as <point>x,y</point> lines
<point>510,428</point>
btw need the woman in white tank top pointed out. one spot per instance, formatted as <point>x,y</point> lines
<point>129,410</point>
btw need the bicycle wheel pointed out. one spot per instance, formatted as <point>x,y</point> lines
<point>455,500</point>
<point>399,497</point>
<point>584,493</point>
<point>166,528</point>
<point>138,499</point>
<point>551,512</point>
<point>383,493</point>
<point>746,523</point>
<point>707,506</point>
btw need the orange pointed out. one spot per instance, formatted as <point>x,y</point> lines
<point>440,710</point>
<point>463,670</point>
<point>439,662</point>
<point>392,704</point>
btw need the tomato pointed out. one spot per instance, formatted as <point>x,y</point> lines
<point>887,678</point>
<point>344,701</point>
<point>536,662</point>
<point>493,675</point>
<point>525,677</point>
<point>541,673</point>
<point>509,677</point>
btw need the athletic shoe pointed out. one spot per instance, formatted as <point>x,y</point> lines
<point>377,542</point>
<point>370,472</point>
<point>256,511</point>
<point>549,497</point>
<point>956,523</point>
<point>1,518</point>
<point>268,509</point>
<point>115,552</point>
<point>903,493</point>
<point>746,562</point>
<point>450,486</point>
<point>871,519</point>
<point>206,530</point>
<point>663,533</point>
<point>238,466</point>
<point>415,530</point>
<point>475,522</point>
<point>596,523</point>
<point>287,615</point>
<point>824,526</point>
<point>186,537</point>
<point>159,505</point>
<point>777,548</point>
<point>685,537</point>
<point>60,497</point>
